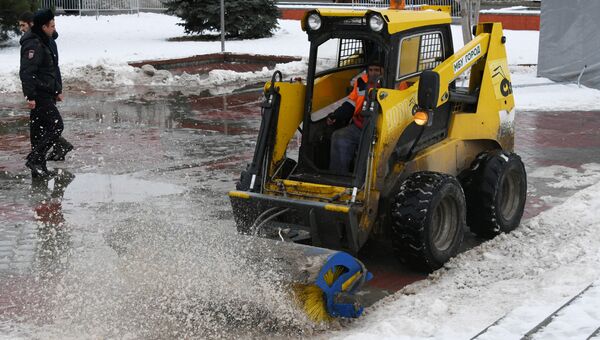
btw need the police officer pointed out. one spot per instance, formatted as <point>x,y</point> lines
<point>42,86</point>
<point>25,22</point>
<point>62,146</point>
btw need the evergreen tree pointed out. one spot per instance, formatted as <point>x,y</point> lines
<point>243,18</point>
<point>10,10</point>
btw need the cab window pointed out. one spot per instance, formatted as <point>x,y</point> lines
<point>419,52</point>
<point>339,53</point>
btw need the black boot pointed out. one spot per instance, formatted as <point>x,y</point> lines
<point>49,173</point>
<point>59,150</point>
<point>38,169</point>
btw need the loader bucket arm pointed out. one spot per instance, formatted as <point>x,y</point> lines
<point>454,66</point>
<point>489,91</point>
<point>270,112</point>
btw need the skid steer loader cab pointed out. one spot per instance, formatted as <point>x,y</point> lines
<point>435,148</point>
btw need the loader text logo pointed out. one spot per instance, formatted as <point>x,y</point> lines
<point>500,79</point>
<point>413,105</point>
<point>505,86</point>
<point>465,59</point>
<point>353,21</point>
<point>402,112</point>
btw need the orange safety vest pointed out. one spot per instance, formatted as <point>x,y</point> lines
<point>357,97</point>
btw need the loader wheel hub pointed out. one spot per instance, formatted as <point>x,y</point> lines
<point>445,223</point>
<point>509,203</point>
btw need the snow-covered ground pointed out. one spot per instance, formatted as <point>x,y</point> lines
<point>519,278</point>
<point>512,10</point>
<point>95,52</point>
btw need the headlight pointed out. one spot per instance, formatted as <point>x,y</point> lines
<point>314,21</point>
<point>376,22</point>
<point>421,118</point>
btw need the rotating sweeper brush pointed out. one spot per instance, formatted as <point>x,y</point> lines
<point>331,292</point>
<point>324,281</point>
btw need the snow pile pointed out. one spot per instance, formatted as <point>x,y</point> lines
<point>110,76</point>
<point>555,96</point>
<point>100,75</point>
<point>95,52</point>
<point>512,10</point>
<point>542,94</point>
<point>528,273</point>
<point>218,77</point>
<point>577,319</point>
<point>569,178</point>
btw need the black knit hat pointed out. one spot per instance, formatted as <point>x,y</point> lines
<point>376,58</point>
<point>42,17</point>
<point>26,17</point>
<point>376,62</point>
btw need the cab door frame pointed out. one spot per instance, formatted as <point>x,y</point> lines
<point>414,137</point>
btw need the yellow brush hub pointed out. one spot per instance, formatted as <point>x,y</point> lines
<point>312,299</point>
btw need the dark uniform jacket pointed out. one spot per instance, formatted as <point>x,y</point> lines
<point>39,72</point>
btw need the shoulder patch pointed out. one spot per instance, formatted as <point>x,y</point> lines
<point>30,54</point>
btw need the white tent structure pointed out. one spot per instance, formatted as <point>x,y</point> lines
<point>569,47</point>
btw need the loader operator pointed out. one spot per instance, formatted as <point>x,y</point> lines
<point>344,142</point>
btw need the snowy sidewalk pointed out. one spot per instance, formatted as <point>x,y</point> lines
<point>578,318</point>
<point>529,272</point>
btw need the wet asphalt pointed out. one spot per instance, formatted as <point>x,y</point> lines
<point>135,239</point>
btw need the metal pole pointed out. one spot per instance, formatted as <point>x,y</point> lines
<point>580,75</point>
<point>477,7</point>
<point>472,19</point>
<point>222,26</point>
<point>465,13</point>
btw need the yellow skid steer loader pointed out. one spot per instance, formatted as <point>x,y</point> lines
<point>435,152</point>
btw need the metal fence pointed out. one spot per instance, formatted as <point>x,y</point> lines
<point>410,4</point>
<point>81,6</point>
<point>454,5</point>
<point>371,3</point>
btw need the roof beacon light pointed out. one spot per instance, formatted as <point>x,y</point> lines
<point>376,22</point>
<point>314,21</point>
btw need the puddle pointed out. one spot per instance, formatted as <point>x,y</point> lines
<point>97,188</point>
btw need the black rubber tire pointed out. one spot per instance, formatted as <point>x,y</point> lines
<point>426,201</point>
<point>244,182</point>
<point>496,191</point>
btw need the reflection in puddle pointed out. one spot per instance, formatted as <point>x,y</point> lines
<point>98,188</point>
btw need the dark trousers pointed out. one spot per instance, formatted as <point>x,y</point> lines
<point>344,143</point>
<point>45,126</point>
